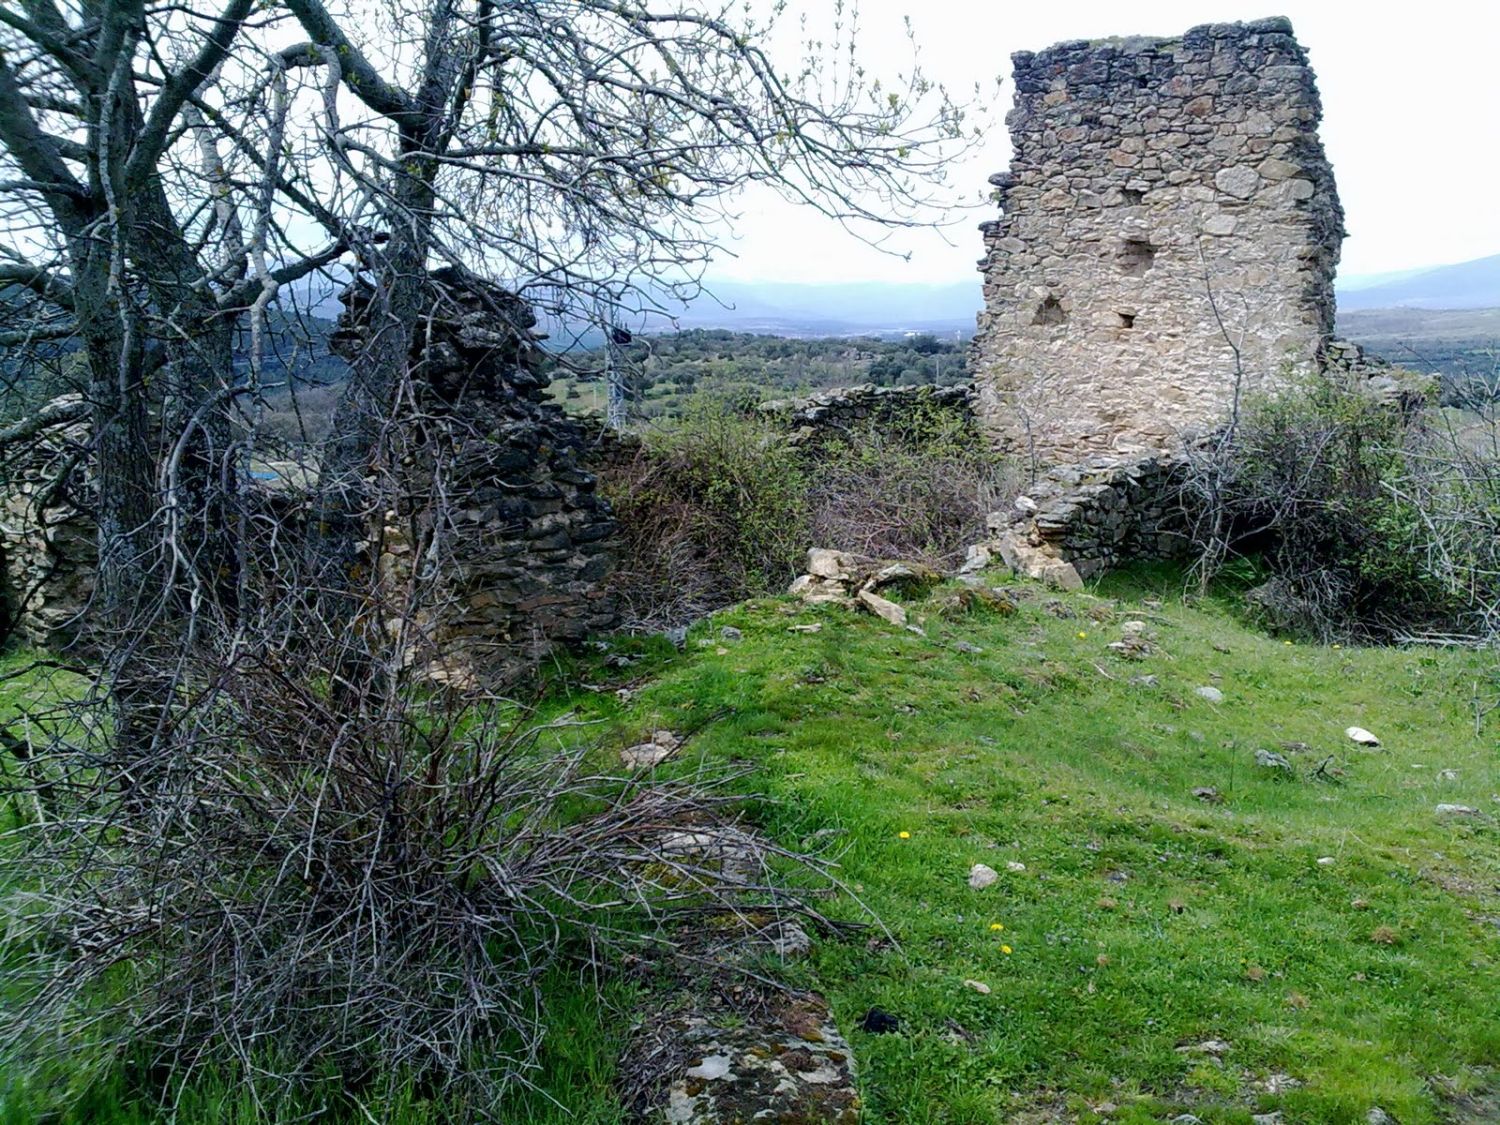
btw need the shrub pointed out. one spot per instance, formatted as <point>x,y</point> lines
<point>1370,519</point>
<point>712,510</point>
<point>335,893</point>
<point>723,505</point>
<point>919,491</point>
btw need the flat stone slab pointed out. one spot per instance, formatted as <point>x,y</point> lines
<point>778,1058</point>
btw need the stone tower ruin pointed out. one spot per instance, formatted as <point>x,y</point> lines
<point>1169,234</point>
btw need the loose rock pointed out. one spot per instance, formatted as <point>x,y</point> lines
<point>981,876</point>
<point>1361,736</point>
<point>645,755</point>
<point>1212,694</point>
<point>1271,760</point>
<point>882,607</point>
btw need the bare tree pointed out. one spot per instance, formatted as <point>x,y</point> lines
<point>286,852</point>
<point>121,223</point>
<point>585,152</point>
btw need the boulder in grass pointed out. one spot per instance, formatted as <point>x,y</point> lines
<point>882,607</point>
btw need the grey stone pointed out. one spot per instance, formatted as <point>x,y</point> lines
<point>1269,759</point>
<point>1238,180</point>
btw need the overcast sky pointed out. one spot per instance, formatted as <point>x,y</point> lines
<point>1411,122</point>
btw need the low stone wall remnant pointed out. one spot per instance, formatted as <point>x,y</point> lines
<point>834,413</point>
<point>496,516</point>
<point>1082,521</point>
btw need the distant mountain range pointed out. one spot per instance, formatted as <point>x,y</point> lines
<point>1466,285</point>
<point>892,309</point>
<point>861,308</point>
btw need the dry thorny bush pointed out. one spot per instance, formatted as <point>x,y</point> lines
<point>326,870</point>
<point>1374,519</point>
<point>914,496</point>
<point>722,506</point>
<point>374,886</point>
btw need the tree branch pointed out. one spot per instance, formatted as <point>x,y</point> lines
<point>181,86</point>
<point>32,149</point>
<point>358,73</point>
<point>42,282</point>
<point>58,412</point>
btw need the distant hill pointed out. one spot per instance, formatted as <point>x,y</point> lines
<point>861,308</point>
<point>1465,285</point>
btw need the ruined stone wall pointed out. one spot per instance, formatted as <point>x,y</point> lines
<point>495,545</point>
<point>497,524</point>
<point>1084,520</point>
<point>1168,204</point>
<point>47,539</point>
<point>836,412</point>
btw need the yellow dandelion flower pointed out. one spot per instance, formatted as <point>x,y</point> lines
<point>1082,636</point>
<point>904,835</point>
<point>997,926</point>
<point>1338,646</point>
<point>1006,949</point>
<point>1288,643</point>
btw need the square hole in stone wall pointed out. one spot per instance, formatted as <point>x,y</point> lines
<point>1136,256</point>
<point>1127,320</point>
<point>1131,196</point>
<point>1050,311</point>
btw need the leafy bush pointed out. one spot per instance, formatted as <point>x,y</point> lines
<point>723,505</point>
<point>711,510</point>
<point>1371,519</point>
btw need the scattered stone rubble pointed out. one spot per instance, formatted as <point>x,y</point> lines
<point>841,578</point>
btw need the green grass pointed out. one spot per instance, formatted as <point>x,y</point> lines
<point>1146,920</point>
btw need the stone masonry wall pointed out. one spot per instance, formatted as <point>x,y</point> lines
<point>47,539</point>
<point>1168,203</point>
<point>496,521</point>
<point>496,518</point>
<point>835,412</point>
<point>1084,520</point>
